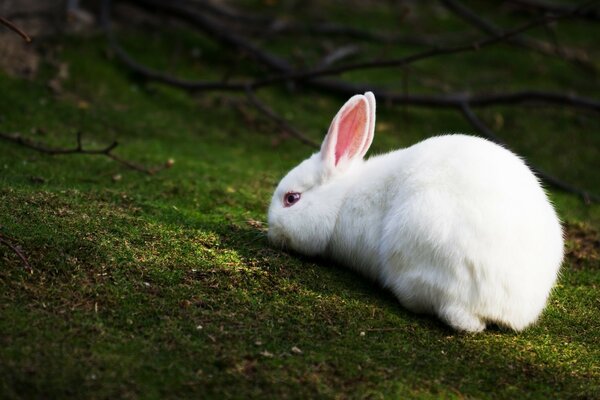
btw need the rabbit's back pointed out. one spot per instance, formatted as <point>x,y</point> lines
<point>468,233</point>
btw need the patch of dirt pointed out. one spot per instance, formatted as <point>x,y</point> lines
<point>17,58</point>
<point>38,19</point>
<point>583,245</point>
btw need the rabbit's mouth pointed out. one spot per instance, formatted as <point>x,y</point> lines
<point>277,238</point>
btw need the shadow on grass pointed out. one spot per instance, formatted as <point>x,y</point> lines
<point>416,350</point>
<point>142,283</point>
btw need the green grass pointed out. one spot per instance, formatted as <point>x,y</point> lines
<point>165,286</point>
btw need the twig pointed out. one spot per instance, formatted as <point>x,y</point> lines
<point>267,111</point>
<point>286,27</point>
<point>157,76</point>
<point>483,129</point>
<point>546,6</point>
<point>351,32</point>
<point>15,29</point>
<point>524,41</point>
<point>381,329</point>
<point>489,99</point>
<point>338,54</point>
<point>106,151</point>
<point>454,100</point>
<point>16,138</point>
<point>17,251</point>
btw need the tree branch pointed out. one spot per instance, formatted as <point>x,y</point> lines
<point>17,251</point>
<point>491,99</point>
<point>340,87</point>
<point>542,47</point>
<point>15,29</point>
<point>267,111</point>
<point>484,130</point>
<point>494,38</point>
<point>106,151</point>
<point>547,6</point>
<point>158,76</point>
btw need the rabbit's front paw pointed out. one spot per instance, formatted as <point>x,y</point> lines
<point>461,319</point>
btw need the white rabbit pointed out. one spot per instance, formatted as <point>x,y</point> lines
<point>455,225</point>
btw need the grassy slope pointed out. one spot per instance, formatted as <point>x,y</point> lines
<point>160,286</point>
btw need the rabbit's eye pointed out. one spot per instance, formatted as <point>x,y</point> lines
<point>291,198</point>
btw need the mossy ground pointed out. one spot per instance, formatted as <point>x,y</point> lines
<point>165,286</point>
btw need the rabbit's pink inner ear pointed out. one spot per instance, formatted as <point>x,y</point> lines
<point>351,131</point>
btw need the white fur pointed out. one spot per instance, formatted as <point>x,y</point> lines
<point>455,226</point>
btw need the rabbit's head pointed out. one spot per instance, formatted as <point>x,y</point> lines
<point>306,203</point>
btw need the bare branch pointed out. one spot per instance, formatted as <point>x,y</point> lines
<point>4,240</point>
<point>484,130</point>
<point>496,36</point>
<point>16,138</point>
<point>547,6</point>
<point>345,88</point>
<point>266,110</point>
<point>334,56</point>
<point>351,32</point>
<point>524,41</point>
<point>279,65</point>
<point>477,45</point>
<point>451,100</point>
<point>15,29</point>
<point>106,151</point>
<point>154,75</point>
<point>490,99</point>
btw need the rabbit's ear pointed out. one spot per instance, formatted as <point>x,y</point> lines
<point>371,129</point>
<point>351,132</point>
